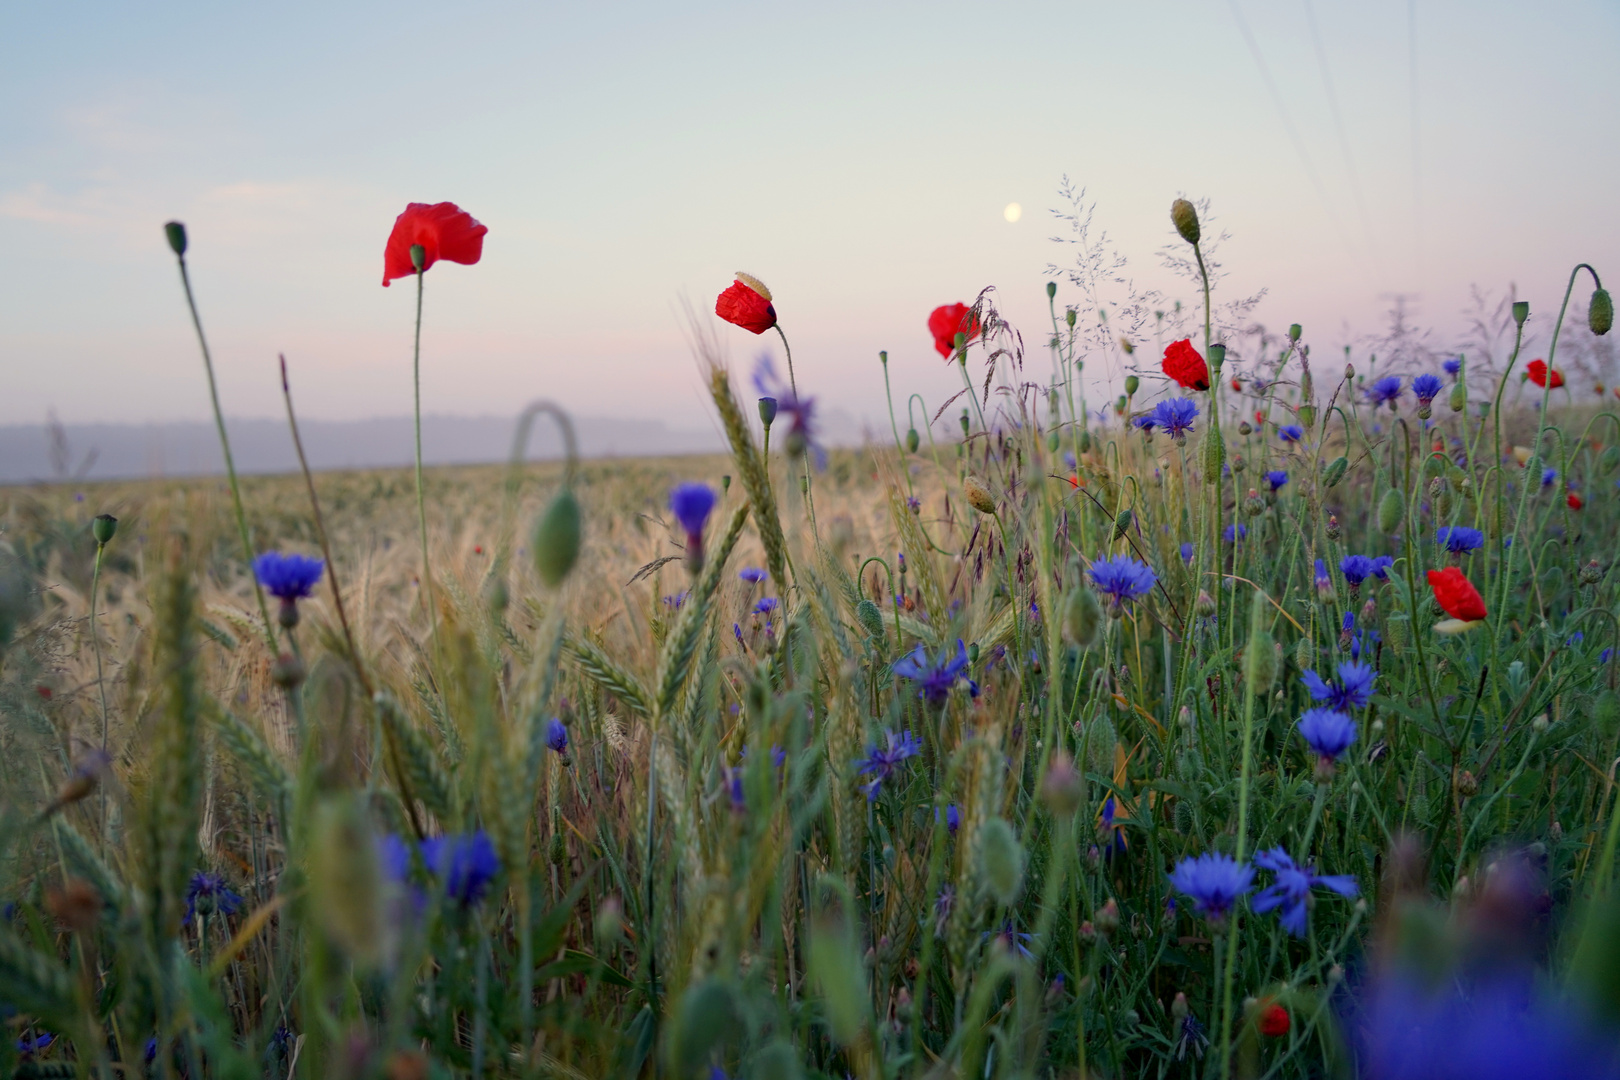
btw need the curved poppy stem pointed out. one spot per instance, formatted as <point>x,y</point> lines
<point>793,385</point>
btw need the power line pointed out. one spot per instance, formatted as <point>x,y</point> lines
<point>1288,126</point>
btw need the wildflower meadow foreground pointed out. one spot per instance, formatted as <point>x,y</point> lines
<point>1259,720</point>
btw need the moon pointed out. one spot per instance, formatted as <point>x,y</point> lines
<point>1013,212</point>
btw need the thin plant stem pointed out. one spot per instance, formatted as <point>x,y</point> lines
<point>430,602</point>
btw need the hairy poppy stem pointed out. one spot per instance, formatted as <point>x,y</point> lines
<point>230,463</point>
<point>809,495</point>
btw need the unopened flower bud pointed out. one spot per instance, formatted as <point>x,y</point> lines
<point>964,423</point>
<point>1082,617</point>
<point>556,539</point>
<point>1051,289</point>
<point>1063,786</point>
<point>1204,605</point>
<point>1106,920</point>
<point>1239,463</point>
<point>1398,631</point>
<point>1069,316</point>
<point>978,495</point>
<point>287,671</point>
<point>1590,574</point>
<point>1122,523</point>
<point>1214,456</point>
<point>1467,786</point>
<point>1253,504</point>
<point>1179,1008</point>
<point>610,922</point>
<point>1131,385</point>
<point>1333,530</point>
<point>1600,313</point>
<point>1391,508</point>
<point>1540,724</point>
<point>1185,217</point>
<point>1294,331</point>
<point>1335,471</point>
<point>176,234</point>
<point>1349,372</point>
<point>1125,343</point>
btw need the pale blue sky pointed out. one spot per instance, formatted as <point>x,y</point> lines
<point>857,157</point>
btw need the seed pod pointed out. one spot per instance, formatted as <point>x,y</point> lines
<point>1335,471</point>
<point>1521,312</point>
<point>1185,217</point>
<point>1398,630</point>
<point>1122,523</point>
<point>1214,456</point>
<point>1132,383</point>
<point>1001,858</point>
<point>1069,316</point>
<point>104,527</point>
<point>556,539</point>
<point>1085,442</point>
<point>176,234</point>
<point>913,440</point>
<point>1391,508</point>
<point>1217,357</point>
<point>978,495</point>
<point>1600,313</point>
<point>871,619</point>
<point>1082,617</point>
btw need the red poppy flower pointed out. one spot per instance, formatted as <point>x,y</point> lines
<point>1183,364</point>
<point>1456,594</point>
<point>946,322</point>
<point>1575,501</point>
<point>1538,374</point>
<point>1237,383</point>
<point>444,230</point>
<point>747,303</point>
<point>1259,416</point>
<point>1274,1021</point>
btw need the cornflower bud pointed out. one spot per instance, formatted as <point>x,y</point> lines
<point>1467,786</point>
<point>1333,530</point>
<point>1106,919</point>
<point>1253,504</point>
<point>1063,786</point>
<point>287,671</point>
<point>1239,463</point>
<point>1590,574</point>
<point>1204,605</point>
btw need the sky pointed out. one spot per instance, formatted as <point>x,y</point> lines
<point>857,157</point>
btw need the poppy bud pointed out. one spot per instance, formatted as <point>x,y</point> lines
<point>1122,523</point>
<point>176,233</point>
<point>1521,311</point>
<point>1440,497</point>
<point>1214,456</point>
<point>913,440</point>
<point>104,527</point>
<point>1335,471</point>
<point>978,495</point>
<point>871,619</point>
<point>1391,508</point>
<point>1052,442</point>
<point>419,257</point>
<point>1001,859</point>
<point>1082,617</point>
<point>1185,217</point>
<point>1600,313</point>
<point>1294,331</point>
<point>725,482</point>
<point>1398,629</point>
<point>556,539</point>
<point>767,410</point>
<point>1051,289</point>
<point>1260,659</point>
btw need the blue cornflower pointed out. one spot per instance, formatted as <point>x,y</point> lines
<point>1187,552</point>
<point>29,1047</point>
<point>674,602</point>
<point>953,818</point>
<point>1427,387</point>
<point>1123,579</point>
<point>1327,732</point>
<point>801,436</point>
<point>1176,416</point>
<point>733,781</point>
<point>752,574</point>
<point>1214,881</point>
<point>1352,689</point>
<point>1324,583</point>
<point>1381,565</point>
<point>934,680</point>
<point>1356,569</point>
<point>1276,478</point>
<point>1451,365</point>
<point>692,504</point>
<point>465,862</point>
<point>1146,422</point>
<point>1387,389</point>
<point>1548,475</point>
<point>1236,532</point>
<point>765,605</point>
<point>1412,1027</point>
<point>289,577</point>
<point>556,736</point>
<point>882,762</point>
<point>1013,941</point>
<point>1459,539</point>
<point>207,893</point>
<point>1112,835</point>
<point>1290,433</point>
<point>1292,889</point>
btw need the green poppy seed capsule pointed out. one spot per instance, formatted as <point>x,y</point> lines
<point>964,423</point>
<point>913,440</point>
<point>1217,357</point>
<point>419,257</point>
<point>725,482</point>
<point>1051,289</point>
<point>1459,396</point>
<point>1214,456</point>
<point>870,617</point>
<point>1082,617</point>
<point>1600,313</point>
<point>556,539</point>
<point>1122,523</point>
<point>1131,385</point>
<point>767,411</point>
<point>1521,311</point>
<point>1335,471</point>
<point>1069,317</point>
<point>105,526</point>
<point>1294,331</point>
<point>1391,508</point>
<point>176,233</point>
<point>883,357</point>
<point>1085,442</point>
<point>1185,218</point>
